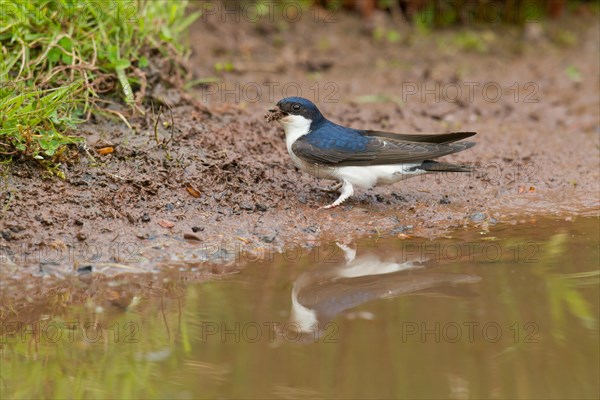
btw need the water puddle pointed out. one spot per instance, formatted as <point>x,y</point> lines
<point>511,312</point>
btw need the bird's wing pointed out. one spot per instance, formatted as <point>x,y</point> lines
<point>369,150</point>
<point>427,138</point>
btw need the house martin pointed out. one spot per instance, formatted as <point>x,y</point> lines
<point>362,158</point>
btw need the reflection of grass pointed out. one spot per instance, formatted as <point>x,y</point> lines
<point>120,365</point>
<point>563,292</point>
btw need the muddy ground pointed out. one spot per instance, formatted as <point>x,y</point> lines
<point>224,179</point>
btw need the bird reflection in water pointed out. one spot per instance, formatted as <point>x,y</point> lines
<point>319,295</point>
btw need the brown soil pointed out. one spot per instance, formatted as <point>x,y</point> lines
<point>534,158</point>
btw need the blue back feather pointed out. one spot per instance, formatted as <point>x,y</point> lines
<point>330,136</point>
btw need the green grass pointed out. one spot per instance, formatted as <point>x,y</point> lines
<point>62,60</point>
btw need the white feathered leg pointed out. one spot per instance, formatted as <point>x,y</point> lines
<point>347,191</point>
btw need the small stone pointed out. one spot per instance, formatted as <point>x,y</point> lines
<point>47,221</point>
<point>166,223</point>
<point>247,206</point>
<point>445,200</point>
<point>86,269</point>
<point>477,217</point>
<point>269,237</point>
<point>197,228</point>
<point>398,196</point>
<point>191,236</point>
<point>145,217</point>
<point>400,229</point>
<point>81,236</point>
<point>311,229</point>
<point>78,222</point>
<point>261,207</point>
<point>169,207</point>
<point>6,234</point>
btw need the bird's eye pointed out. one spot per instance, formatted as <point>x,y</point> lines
<point>296,107</point>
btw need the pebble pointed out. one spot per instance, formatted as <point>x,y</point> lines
<point>261,207</point>
<point>445,200</point>
<point>311,229</point>
<point>269,237</point>
<point>477,217</point>
<point>397,230</point>
<point>47,221</point>
<point>86,269</point>
<point>197,228</point>
<point>191,236</point>
<point>399,196</point>
<point>145,217</point>
<point>401,229</point>
<point>247,206</point>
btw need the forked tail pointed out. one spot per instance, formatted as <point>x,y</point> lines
<point>435,166</point>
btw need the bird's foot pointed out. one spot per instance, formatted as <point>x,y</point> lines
<point>347,191</point>
<point>331,189</point>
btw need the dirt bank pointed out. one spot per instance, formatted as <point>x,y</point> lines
<point>225,180</point>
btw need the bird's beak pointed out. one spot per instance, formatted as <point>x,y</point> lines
<point>275,114</point>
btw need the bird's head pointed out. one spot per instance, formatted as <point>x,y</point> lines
<point>295,111</point>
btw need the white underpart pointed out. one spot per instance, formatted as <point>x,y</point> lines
<point>365,177</point>
<point>295,127</point>
<point>306,319</point>
<point>368,265</point>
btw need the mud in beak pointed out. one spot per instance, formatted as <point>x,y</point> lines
<point>275,114</point>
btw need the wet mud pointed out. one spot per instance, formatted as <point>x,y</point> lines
<point>223,179</point>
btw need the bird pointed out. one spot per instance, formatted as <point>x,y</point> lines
<point>361,158</point>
